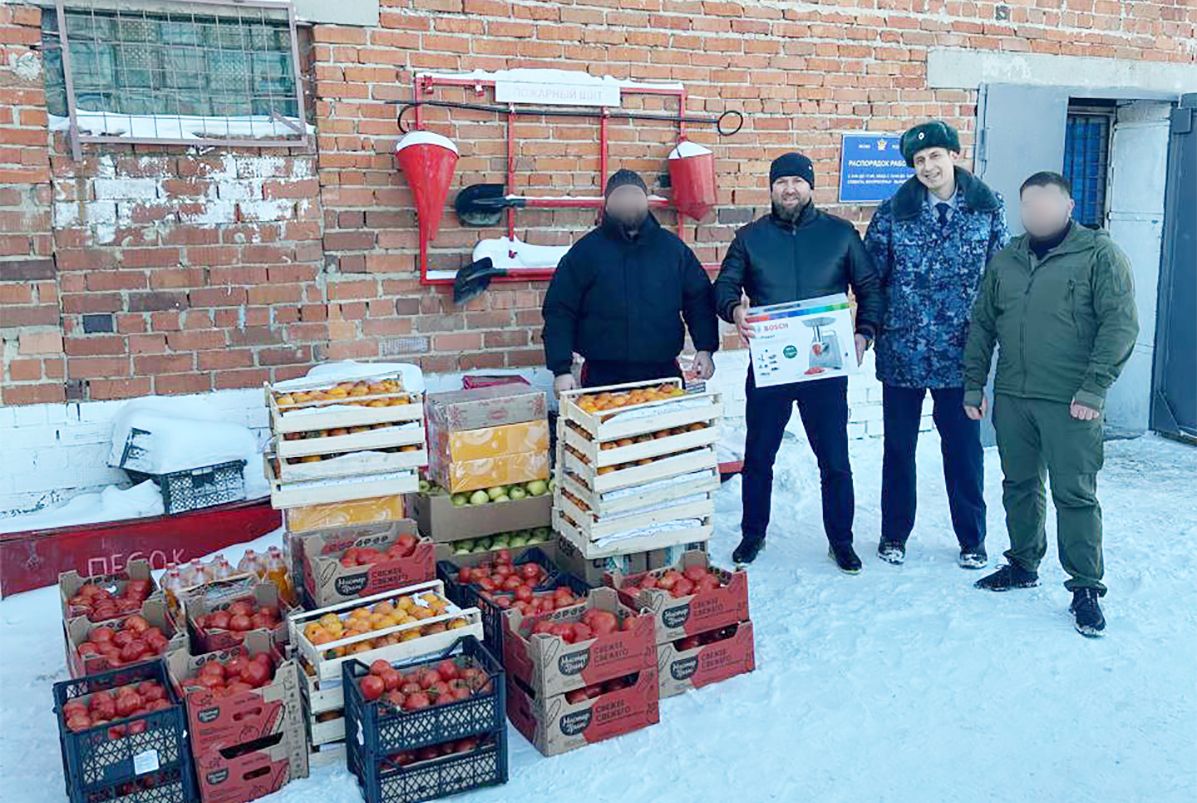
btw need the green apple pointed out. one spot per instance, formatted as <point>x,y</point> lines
<point>542,533</point>
<point>479,498</point>
<point>425,486</point>
<point>516,492</point>
<point>479,548</point>
<point>518,540</point>
<point>537,488</point>
<point>496,492</point>
<point>459,500</point>
<point>552,483</point>
<point>467,544</point>
<point>500,498</point>
<point>462,550</point>
<point>500,541</point>
<point>482,542</point>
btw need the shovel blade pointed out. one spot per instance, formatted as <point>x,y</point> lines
<point>473,279</point>
<point>481,204</point>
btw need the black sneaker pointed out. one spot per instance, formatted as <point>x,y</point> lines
<point>748,549</point>
<point>892,552</point>
<point>972,558</point>
<point>1009,576</point>
<point>845,557</point>
<point>1089,621</point>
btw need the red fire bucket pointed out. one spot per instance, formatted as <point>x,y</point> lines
<point>428,160</point>
<point>692,176</point>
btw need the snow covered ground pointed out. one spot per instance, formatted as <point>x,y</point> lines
<point>900,684</point>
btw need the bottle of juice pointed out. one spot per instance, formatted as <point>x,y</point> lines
<point>276,572</point>
<point>220,568</point>
<point>172,585</point>
<point>250,563</point>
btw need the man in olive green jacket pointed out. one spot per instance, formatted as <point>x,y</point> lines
<point>1059,302</point>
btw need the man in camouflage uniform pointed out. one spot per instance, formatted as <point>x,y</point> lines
<point>930,243</point>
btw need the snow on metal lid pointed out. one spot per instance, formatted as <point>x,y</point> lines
<point>547,76</point>
<point>686,148</point>
<point>425,138</point>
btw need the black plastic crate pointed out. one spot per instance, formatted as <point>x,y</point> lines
<point>198,488</point>
<point>377,729</point>
<point>176,785</point>
<point>447,570</point>
<point>94,764</point>
<point>386,782</point>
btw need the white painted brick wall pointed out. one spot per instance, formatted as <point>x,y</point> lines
<point>55,451</point>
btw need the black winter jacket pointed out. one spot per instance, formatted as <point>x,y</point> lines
<point>775,262</point>
<point>617,299</point>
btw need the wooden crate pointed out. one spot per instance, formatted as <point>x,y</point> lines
<point>595,527</point>
<point>659,469</point>
<point>351,464</point>
<point>344,412</point>
<point>402,434</point>
<point>328,670</point>
<point>580,539</point>
<point>338,489</point>
<point>598,457</point>
<point>615,424</point>
<point>643,494</point>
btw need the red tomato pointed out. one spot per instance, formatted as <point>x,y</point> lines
<point>372,687</point>
<point>464,574</point>
<point>241,607</point>
<point>101,635</point>
<point>406,544</point>
<point>219,620</point>
<point>379,667</point>
<point>79,722</point>
<point>582,632</point>
<point>392,679</point>
<point>256,674</point>
<point>530,571</point>
<point>684,587</point>
<point>448,670</point>
<point>648,581</point>
<point>416,701</point>
<point>240,622</point>
<point>503,556</point>
<point>524,593</point>
<point>137,624</point>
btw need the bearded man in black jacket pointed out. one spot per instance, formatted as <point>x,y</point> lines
<point>620,295</point>
<point>798,252</point>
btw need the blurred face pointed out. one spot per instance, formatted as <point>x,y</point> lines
<point>1045,211</point>
<point>628,205</point>
<point>935,168</point>
<point>789,195</point>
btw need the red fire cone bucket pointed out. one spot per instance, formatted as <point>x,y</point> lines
<point>428,161</point>
<point>692,176</point>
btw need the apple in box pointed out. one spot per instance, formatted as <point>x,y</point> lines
<point>690,597</point>
<point>342,564</point>
<point>578,646</point>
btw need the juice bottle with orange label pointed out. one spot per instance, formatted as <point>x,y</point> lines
<point>276,572</point>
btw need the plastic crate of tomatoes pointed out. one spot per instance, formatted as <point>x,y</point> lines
<point>532,584</point>
<point>410,705</point>
<point>434,771</point>
<point>119,730</point>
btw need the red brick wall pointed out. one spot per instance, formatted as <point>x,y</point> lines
<point>177,272</point>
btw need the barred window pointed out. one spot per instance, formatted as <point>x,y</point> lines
<point>170,72</point>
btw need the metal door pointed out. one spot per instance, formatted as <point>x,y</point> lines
<point>1174,381</point>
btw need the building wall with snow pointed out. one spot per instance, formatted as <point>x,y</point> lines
<point>173,270</point>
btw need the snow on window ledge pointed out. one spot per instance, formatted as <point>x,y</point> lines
<point>182,127</point>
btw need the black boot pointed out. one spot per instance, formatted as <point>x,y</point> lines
<point>750,546</point>
<point>1089,621</point>
<point>845,557</point>
<point>1009,576</point>
<point>972,558</point>
<point>892,552</point>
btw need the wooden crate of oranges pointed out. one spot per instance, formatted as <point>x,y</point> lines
<point>636,456</point>
<point>346,440</point>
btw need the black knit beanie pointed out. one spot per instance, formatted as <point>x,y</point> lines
<point>621,177</point>
<point>792,164</point>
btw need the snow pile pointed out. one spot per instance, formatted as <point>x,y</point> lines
<point>506,252</point>
<point>899,684</point>
<point>351,371</point>
<point>182,126</point>
<point>686,149</point>
<point>425,138</point>
<point>534,75</point>
<point>111,504</point>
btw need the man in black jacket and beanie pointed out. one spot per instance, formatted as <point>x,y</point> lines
<point>620,294</point>
<point>794,253</point>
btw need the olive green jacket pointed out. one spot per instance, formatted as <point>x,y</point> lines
<point>1065,324</point>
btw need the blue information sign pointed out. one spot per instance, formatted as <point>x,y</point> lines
<point>871,168</point>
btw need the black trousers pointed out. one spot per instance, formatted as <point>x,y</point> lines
<point>823,405</point>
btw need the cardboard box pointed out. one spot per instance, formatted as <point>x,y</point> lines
<point>218,596</point>
<point>484,407</point>
<point>593,571</point>
<point>800,341</point>
<point>327,582</point>
<point>345,514</point>
<point>445,552</point>
<point>677,617</point>
<point>70,582</point>
<point>248,772</point>
<point>442,521</point>
<point>473,475</point>
<point>218,722</point>
<point>480,444</point>
<point>664,558</point>
<point>547,665</point>
<point>554,725</point>
<point>78,629</point>
<point>681,669</point>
